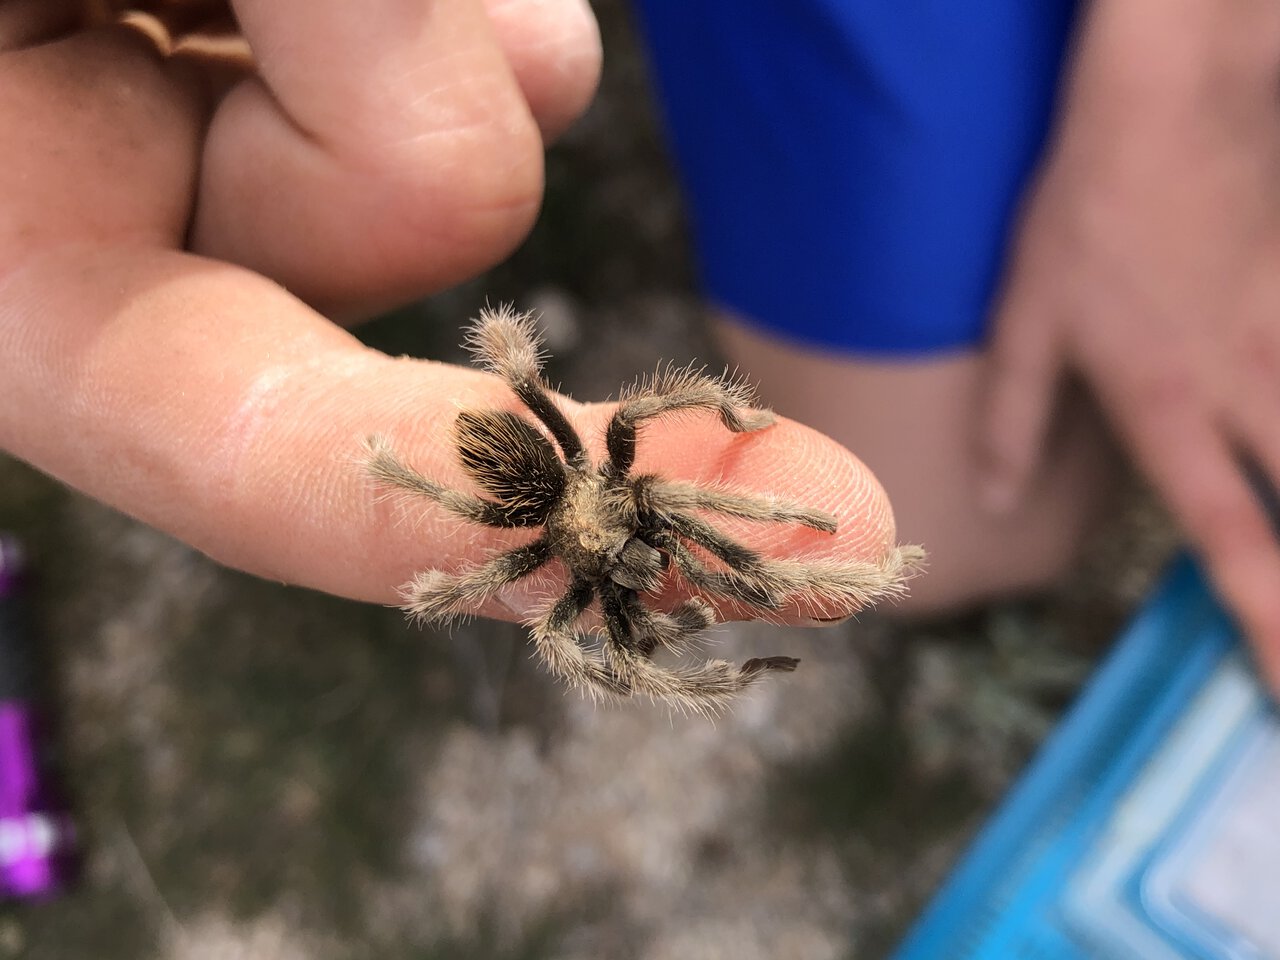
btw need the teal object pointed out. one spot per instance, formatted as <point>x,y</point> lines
<point>1148,827</point>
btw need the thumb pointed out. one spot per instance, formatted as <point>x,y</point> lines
<point>1024,367</point>
<point>208,402</point>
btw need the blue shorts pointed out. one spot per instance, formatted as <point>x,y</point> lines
<point>852,167</point>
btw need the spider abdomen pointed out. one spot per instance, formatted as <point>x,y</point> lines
<point>508,458</point>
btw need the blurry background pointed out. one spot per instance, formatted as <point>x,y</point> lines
<point>263,772</point>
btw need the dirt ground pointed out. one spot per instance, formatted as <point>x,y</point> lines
<point>265,773</point>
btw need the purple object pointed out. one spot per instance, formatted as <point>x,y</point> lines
<point>12,563</point>
<point>36,834</point>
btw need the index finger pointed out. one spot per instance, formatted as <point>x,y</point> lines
<point>210,403</point>
<point>383,149</point>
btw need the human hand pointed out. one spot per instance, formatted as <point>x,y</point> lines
<point>172,232</point>
<point>1149,262</point>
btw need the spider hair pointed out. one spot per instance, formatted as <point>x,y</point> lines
<point>619,534</point>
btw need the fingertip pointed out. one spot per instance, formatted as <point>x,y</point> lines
<point>1009,439</point>
<point>837,572</point>
<point>787,460</point>
<point>555,52</point>
<point>1265,637</point>
<point>1023,367</point>
<point>1247,585</point>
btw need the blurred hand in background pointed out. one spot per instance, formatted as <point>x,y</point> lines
<point>1148,262</point>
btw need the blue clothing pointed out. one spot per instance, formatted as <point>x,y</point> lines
<point>852,167</point>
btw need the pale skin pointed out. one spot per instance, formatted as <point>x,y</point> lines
<point>1148,264</point>
<point>178,235</point>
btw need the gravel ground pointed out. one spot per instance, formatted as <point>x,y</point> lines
<point>266,773</point>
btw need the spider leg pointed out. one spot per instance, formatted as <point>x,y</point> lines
<point>827,588</point>
<point>837,588</point>
<point>704,688</point>
<point>675,389</point>
<point>744,579</point>
<point>734,554</point>
<point>735,584</point>
<point>672,631</point>
<point>434,595</point>
<point>506,343</point>
<point>386,468</point>
<point>648,630</point>
<point>670,496</point>
<point>557,645</point>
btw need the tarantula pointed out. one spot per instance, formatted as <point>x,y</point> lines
<point>618,533</point>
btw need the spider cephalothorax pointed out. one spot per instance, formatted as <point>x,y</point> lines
<point>617,533</point>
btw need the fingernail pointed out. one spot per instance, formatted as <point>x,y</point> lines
<point>826,621</point>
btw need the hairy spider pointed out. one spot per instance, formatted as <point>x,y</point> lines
<point>618,533</point>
